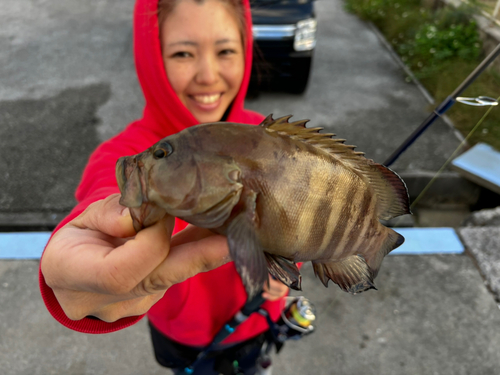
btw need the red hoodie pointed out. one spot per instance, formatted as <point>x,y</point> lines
<point>191,312</point>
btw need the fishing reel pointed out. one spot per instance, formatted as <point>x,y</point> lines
<point>296,319</point>
<point>295,322</point>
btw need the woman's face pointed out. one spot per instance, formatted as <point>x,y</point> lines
<point>203,57</point>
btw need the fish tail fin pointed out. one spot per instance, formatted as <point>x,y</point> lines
<point>351,274</point>
<point>392,241</point>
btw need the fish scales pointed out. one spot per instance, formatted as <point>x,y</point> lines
<point>301,217</point>
<point>302,205</point>
<point>281,193</point>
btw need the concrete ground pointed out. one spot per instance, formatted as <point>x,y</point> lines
<point>430,315</point>
<point>68,83</point>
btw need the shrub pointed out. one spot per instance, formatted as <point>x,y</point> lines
<point>442,47</point>
<point>452,34</point>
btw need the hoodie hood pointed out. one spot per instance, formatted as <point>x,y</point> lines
<point>164,112</point>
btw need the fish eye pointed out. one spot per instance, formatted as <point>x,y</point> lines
<point>163,151</point>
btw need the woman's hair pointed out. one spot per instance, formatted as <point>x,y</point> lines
<point>165,7</point>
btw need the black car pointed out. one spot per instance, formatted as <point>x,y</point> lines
<point>285,37</point>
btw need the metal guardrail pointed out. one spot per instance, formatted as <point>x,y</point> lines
<point>490,9</point>
<point>496,10</point>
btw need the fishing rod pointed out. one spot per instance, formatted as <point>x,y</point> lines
<point>447,103</point>
<point>250,307</point>
<point>296,321</point>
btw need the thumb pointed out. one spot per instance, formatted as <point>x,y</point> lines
<point>107,216</point>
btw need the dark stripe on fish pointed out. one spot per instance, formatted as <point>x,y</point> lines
<point>362,214</point>
<point>342,224</point>
<point>321,216</point>
<point>370,234</point>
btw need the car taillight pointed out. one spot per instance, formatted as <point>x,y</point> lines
<point>305,35</point>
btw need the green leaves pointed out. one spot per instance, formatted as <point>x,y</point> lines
<point>441,45</point>
<point>435,43</point>
<point>425,39</point>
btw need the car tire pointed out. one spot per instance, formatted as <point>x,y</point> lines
<point>300,75</point>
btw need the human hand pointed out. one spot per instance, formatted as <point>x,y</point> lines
<point>97,265</point>
<point>275,291</point>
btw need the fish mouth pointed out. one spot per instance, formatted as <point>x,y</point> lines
<point>132,184</point>
<point>131,181</point>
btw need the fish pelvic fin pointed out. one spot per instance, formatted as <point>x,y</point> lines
<point>245,249</point>
<point>351,274</point>
<point>389,188</point>
<point>284,270</point>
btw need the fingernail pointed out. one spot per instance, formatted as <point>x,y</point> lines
<point>125,212</point>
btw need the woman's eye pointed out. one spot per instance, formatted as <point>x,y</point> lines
<point>227,51</point>
<point>181,54</point>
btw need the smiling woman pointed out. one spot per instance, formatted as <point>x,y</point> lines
<point>204,65</point>
<point>98,274</point>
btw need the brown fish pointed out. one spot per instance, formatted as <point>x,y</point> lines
<point>281,193</point>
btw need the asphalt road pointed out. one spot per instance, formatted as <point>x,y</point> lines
<point>68,82</point>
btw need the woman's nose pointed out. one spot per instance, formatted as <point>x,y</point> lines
<point>208,71</point>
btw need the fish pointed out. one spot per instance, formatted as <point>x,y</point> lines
<point>281,193</point>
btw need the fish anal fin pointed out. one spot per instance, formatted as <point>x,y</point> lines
<point>284,270</point>
<point>351,274</point>
<point>245,249</point>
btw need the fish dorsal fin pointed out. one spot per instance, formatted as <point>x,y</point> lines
<point>391,192</point>
<point>281,124</point>
<point>268,120</point>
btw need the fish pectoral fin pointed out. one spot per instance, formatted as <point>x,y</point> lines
<point>247,253</point>
<point>351,274</point>
<point>284,270</point>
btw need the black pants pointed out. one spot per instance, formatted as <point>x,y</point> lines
<point>237,359</point>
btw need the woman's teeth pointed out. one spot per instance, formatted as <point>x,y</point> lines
<point>207,99</point>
